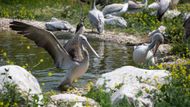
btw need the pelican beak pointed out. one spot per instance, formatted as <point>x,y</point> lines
<point>90,47</point>
<point>156,48</point>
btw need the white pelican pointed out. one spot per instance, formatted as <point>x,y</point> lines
<point>57,25</point>
<point>96,18</point>
<point>137,5</point>
<point>73,56</point>
<point>143,54</point>
<point>115,21</point>
<point>116,8</point>
<point>162,6</point>
<point>161,29</point>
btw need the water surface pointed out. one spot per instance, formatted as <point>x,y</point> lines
<point>23,52</point>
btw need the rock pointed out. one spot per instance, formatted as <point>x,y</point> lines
<point>26,83</point>
<point>71,100</point>
<point>129,81</point>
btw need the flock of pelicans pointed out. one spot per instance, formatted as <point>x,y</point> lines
<point>74,55</point>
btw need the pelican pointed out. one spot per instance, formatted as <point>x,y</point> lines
<point>186,26</point>
<point>137,5</point>
<point>161,29</point>
<point>162,6</point>
<point>143,54</point>
<point>57,25</point>
<point>73,56</point>
<point>115,9</point>
<point>96,18</point>
<point>115,20</point>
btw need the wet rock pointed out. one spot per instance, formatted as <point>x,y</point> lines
<point>71,100</point>
<point>138,85</point>
<point>26,83</point>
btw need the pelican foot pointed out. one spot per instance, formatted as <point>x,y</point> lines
<point>65,87</point>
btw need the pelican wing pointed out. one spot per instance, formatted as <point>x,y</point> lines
<point>186,22</point>
<point>186,26</point>
<point>164,5</point>
<point>154,5</point>
<point>133,5</point>
<point>109,9</point>
<point>43,39</point>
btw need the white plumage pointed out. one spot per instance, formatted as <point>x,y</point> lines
<point>144,54</point>
<point>116,8</point>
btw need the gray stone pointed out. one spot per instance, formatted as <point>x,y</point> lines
<point>71,100</point>
<point>129,81</point>
<point>26,83</point>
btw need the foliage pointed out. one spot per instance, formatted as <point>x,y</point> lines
<point>99,95</point>
<point>176,93</point>
<point>103,98</point>
<point>11,97</point>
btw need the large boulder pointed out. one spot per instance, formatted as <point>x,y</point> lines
<point>71,100</point>
<point>137,85</point>
<point>25,82</point>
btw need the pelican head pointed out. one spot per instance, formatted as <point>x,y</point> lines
<point>80,27</point>
<point>86,44</point>
<point>157,39</point>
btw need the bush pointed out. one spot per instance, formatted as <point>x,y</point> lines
<point>177,92</point>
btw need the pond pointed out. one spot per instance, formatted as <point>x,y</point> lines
<point>21,51</point>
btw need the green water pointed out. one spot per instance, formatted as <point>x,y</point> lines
<point>24,52</point>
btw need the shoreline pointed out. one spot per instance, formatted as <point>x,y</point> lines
<point>108,36</point>
<point>116,37</point>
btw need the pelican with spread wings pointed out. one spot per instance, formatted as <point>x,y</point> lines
<point>72,56</point>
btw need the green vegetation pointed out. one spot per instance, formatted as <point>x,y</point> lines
<point>103,98</point>
<point>14,98</point>
<point>176,93</point>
